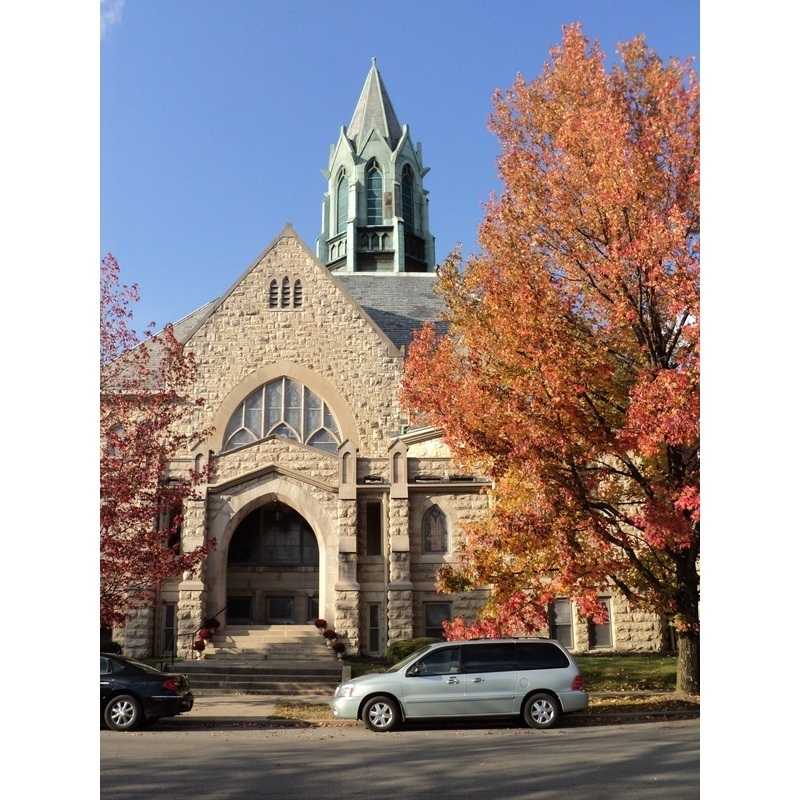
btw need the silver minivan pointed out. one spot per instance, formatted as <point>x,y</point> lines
<point>535,678</point>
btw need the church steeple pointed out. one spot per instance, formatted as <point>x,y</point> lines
<point>375,212</point>
<point>374,111</point>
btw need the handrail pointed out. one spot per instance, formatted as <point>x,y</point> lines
<point>192,634</point>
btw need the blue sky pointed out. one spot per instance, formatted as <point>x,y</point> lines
<point>217,117</point>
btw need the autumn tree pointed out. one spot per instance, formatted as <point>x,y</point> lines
<point>569,373</point>
<point>144,403</point>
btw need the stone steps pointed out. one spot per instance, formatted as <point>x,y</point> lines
<point>255,669</point>
<point>265,659</point>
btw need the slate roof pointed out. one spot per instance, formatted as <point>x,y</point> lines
<point>186,326</point>
<point>374,111</point>
<point>398,303</point>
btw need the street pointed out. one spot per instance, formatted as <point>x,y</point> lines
<point>641,761</point>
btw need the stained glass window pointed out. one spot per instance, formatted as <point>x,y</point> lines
<point>374,197</point>
<point>408,198</point>
<point>283,407</point>
<point>434,531</point>
<point>341,204</point>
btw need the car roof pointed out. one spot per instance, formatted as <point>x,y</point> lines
<point>509,640</point>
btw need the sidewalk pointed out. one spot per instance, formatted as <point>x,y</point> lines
<point>246,707</point>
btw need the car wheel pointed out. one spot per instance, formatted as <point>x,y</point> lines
<point>541,711</point>
<point>123,713</point>
<point>381,714</point>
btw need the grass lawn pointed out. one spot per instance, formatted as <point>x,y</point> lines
<point>359,665</point>
<point>617,673</point>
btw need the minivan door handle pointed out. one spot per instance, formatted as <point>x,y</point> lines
<point>452,680</point>
<point>477,680</point>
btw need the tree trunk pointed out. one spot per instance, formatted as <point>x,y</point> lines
<point>688,678</point>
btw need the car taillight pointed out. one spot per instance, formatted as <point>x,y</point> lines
<point>577,683</point>
<point>171,685</point>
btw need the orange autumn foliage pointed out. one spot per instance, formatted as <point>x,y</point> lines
<point>570,370</point>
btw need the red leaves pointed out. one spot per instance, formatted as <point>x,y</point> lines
<point>570,371</point>
<point>146,412</point>
<point>664,409</point>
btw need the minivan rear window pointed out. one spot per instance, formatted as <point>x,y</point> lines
<point>541,655</point>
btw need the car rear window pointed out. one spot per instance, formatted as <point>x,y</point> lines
<point>542,655</point>
<point>488,658</point>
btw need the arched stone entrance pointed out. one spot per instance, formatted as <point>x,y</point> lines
<point>228,509</point>
<point>272,574</point>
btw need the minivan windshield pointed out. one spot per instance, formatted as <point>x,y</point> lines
<point>408,659</point>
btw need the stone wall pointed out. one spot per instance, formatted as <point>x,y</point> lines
<point>329,335</point>
<point>307,461</point>
<point>373,466</point>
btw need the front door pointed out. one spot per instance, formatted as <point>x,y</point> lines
<point>437,688</point>
<point>280,610</point>
<point>490,678</point>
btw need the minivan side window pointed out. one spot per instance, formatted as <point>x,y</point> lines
<point>444,661</point>
<point>488,658</point>
<point>540,656</point>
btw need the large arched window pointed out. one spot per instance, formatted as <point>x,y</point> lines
<point>434,531</point>
<point>374,196</point>
<point>283,407</point>
<point>341,203</point>
<point>408,198</point>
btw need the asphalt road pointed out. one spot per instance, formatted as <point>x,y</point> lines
<point>641,761</point>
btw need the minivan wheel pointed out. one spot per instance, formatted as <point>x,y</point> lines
<point>381,714</point>
<point>123,713</point>
<point>541,711</point>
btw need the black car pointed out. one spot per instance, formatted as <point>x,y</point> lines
<point>132,693</point>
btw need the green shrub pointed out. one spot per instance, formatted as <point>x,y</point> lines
<point>398,650</point>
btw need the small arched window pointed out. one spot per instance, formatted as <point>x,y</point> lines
<point>408,198</point>
<point>273,293</point>
<point>434,531</point>
<point>285,293</point>
<point>341,203</point>
<point>297,296</point>
<point>374,196</point>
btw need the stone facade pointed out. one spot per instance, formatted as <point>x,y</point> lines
<point>291,321</point>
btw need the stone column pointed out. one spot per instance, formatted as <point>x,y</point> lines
<point>190,613</point>
<point>400,597</point>
<point>191,606</point>
<point>347,588</point>
<point>139,630</point>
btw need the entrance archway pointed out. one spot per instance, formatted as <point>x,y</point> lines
<point>273,568</point>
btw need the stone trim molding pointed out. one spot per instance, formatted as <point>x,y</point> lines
<point>271,469</point>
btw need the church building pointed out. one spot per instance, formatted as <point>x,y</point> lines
<point>321,500</point>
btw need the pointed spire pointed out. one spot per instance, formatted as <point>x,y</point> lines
<point>374,111</point>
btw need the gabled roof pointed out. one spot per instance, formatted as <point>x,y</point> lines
<point>190,324</point>
<point>374,111</point>
<point>396,304</point>
<point>399,303</point>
